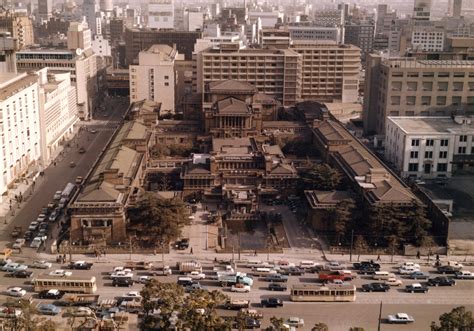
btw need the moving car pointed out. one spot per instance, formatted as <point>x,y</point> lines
<point>447,269</point>
<point>400,318</point>
<point>81,265</point>
<point>12,267</point>
<point>276,287</point>
<point>334,265</point>
<point>48,309</point>
<point>375,287</point>
<point>122,281</point>
<point>196,275</point>
<point>60,273</point>
<point>21,274</point>
<point>251,323</point>
<point>393,281</point>
<point>16,292</point>
<point>416,288</point>
<point>41,264</point>
<point>240,288</point>
<point>144,279</point>
<point>464,274</point>
<point>419,275</point>
<point>441,281</point>
<point>366,264</point>
<point>279,278</point>
<point>54,215</point>
<point>295,322</point>
<point>407,270</point>
<point>292,271</point>
<point>271,303</point>
<point>410,264</point>
<point>51,294</point>
<point>19,243</point>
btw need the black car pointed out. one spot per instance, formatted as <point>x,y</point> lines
<point>368,270</point>
<point>249,323</point>
<point>276,287</point>
<point>447,269</point>
<point>375,287</point>
<point>271,303</point>
<point>80,265</point>
<point>366,264</point>
<point>122,282</point>
<point>44,226</point>
<point>441,281</point>
<point>28,235</point>
<point>182,244</point>
<point>21,274</point>
<point>294,271</point>
<point>51,294</point>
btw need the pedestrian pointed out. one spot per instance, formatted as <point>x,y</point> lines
<point>19,250</point>
<point>437,257</point>
<point>378,258</point>
<point>191,251</point>
<point>255,253</point>
<point>54,163</point>
<point>104,252</point>
<point>418,255</point>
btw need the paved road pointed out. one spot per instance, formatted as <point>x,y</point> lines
<point>56,177</point>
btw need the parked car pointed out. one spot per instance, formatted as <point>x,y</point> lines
<point>277,287</point>
<point>416,288</point>
<point>48,309</point>
<point>122,281</point>
<point>196,275</point>
<point>400,318</point>
<point>57,195</point>
<point>279,278</point>
<point>193,287</point>
<point>393,281</point>
<point>41,264</point>
<point>251,323</point>
<point>13,266</point>
<point>271,303</point>
<point>419,275</point>
<point>407,270</point>
<point>82,150</point>
<point>54,215</point>
<point>240,288</point>
<point>410,264</point>
<point>334,265</point>
<point>81,265</point>
<point>367,270</point>
<point>21,274</point>
<point>60,273</point>
<point>33,226</point>
<point>447,269</point>
<point>441,281</point>
<point>144,279</point>
<point>464,274</point>
<point>51,294</point>
<point>365,264</point>
<point>79,180</point>
<point>16,292</point>
<point>292,271</point>
<point>295,322</point>
<point>19,243</point>
<point>37,241</point>
<point>375,287</point>
<point>81,312</point>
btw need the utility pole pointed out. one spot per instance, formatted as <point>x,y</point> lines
<point>239,246</point>
<point>130,243</point>
<point>352,243</point>
<point>380,316</point>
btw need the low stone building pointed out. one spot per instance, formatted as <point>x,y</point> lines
<point>320,204</point>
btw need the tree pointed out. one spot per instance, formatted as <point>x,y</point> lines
<point>341,217</point>
<point>277,324</point>
<point>457,320</point>
<point>159,150</point>
<point>153,218</point>
<point>321,177</point>
<point>420,224</point>
<point>320,327</point>
<point>28,320</point>
<point>166,307</point>
<point>360,245</point>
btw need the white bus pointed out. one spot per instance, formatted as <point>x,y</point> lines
<point>70,284</point>
<point>323,293</point>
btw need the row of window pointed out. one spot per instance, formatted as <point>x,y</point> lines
<point>432,74</point>
<point>441,167</point>
<point>430,142</point>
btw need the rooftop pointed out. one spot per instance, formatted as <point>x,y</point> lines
<point>406,62</point>
<point>10,84</point>
<point>232,106</point>
<point>434,125</point>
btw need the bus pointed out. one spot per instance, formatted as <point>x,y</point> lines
<point>68,191</point>
<point>74,284</point>
<point>323,293</point>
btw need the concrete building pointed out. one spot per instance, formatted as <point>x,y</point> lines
<point>330,72</point>
<point>19,27</point>
<point>137,40</point>
<point>277,38</point>
<point>155,77</point>
<point>79,37</point>
<point>161,14</point>
<point>45,9</point>
<point>58,111</point>
<point>454,8</point>
<point>428,39</point>
<point>194,20</point>
<point>422,10</point>
<point>330,18</point>
<point>313,32</point>
<point>101,46</point>
<point>90,9</point>
<point>411,87</point>
<point>8,46</point>
<point>20,127</point>
<point>430,147</point>
<point>360,34</point>
<point>268,19</point>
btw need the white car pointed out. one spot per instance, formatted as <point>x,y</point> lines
<point>410,264</point>
<point>455,264</point>
<point>12,267</point>
<point>464,274</point>
<point>240,288</point>
<point>60,273</point>
<point>400,318</point>
<point>334,265</point>
<point>133,294</point>
<point>144,279</point>
<point>408,270</point>
<point>196,275</point>
<point>33,226</point>
<point>81,312</point>
<point>16,292</point>
<point>122,274</point>
<point>393,281</point>
<point>295,322</point>
<point>19,243</point>
<point>41,265</point>
<point>117,269</point>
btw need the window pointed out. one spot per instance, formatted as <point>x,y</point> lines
<point>444,142</point>
<point>442,86</point>
<point>413,155</point>
<point>427,86</point>
<point>443,74</point>
<point>395,100</point>
<point>458,86</point>
<point>429,142</point>
<point>443,155</point>
<point>411,100</point>
<point>415,142</point>
<point>462,150</point>
<point>428,155</point>
<point>440,101</point>
<point>428,74</point>
<point>412,166</point>
<point>167,77</point>
<point>412,86</point>
<point>396,86</point>
<point>456,101</point>
<point>463,138</point>
<point>426,100</point>
<point>167,84</point>
<point>442,167</point>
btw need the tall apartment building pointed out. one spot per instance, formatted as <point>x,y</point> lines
<point>90,9</point>
<point>155,77</point>
<point>117,28</point>
<point>19,127</point>
<point>360,34</point>
<point>58,111</point>
<point>8,46</point>
<point>430,147</point>
<point>20,27</point>
<point>428,39</point>
<point>329,18</point>
<point>79,36</point>
<point>276,72</point>
<point>45,8</point>
<point>278,38</point>
<point>330,72</point>
<point>411,87</point>
<point>137,40</point>
<point>422,10</point>
<point>161,14</point>
<point>313,32</point>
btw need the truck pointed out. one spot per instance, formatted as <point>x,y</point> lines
<point>325,276</point>
<point>140,265</point>
<point>237,304</point>
<point>70,299</point>
<point>185,267</point>
<point>233,279</point>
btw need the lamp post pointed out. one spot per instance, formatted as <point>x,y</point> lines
<point>352,244</point>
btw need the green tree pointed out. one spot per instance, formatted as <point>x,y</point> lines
<point>459,319</point>
<point>28,320</point>
<point>341,217</point>
<point>159,150</point>
<point>360,245</point>
<point>276,324</point>
<point>320,327</point>
<point>419,224</point>
<point>153,218</point>
<point>321,177</point>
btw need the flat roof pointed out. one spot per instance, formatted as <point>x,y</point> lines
<point>432,125</point>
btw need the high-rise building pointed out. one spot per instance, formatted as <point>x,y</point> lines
<point>315,33</point>
<point>20,127</point>
<point>90,9</point>
<point>8,46</point>
<point>45,8</point>
<point>422,10</point>
<point>161,14</point>
<point>154,78</point>
<point>360,34</point>
<point>78,36</point>
<point>329,18</point>
<point>455,8</point>
<point>412,87</point>
<point>20,27</point>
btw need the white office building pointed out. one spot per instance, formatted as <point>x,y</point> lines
<point>308,32</point>
<point>161,14</point>
<point>428,39</point>
<point>430,147</point>
<point>101,46</point>
<point>155,78</point>
<point>19,127</point>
